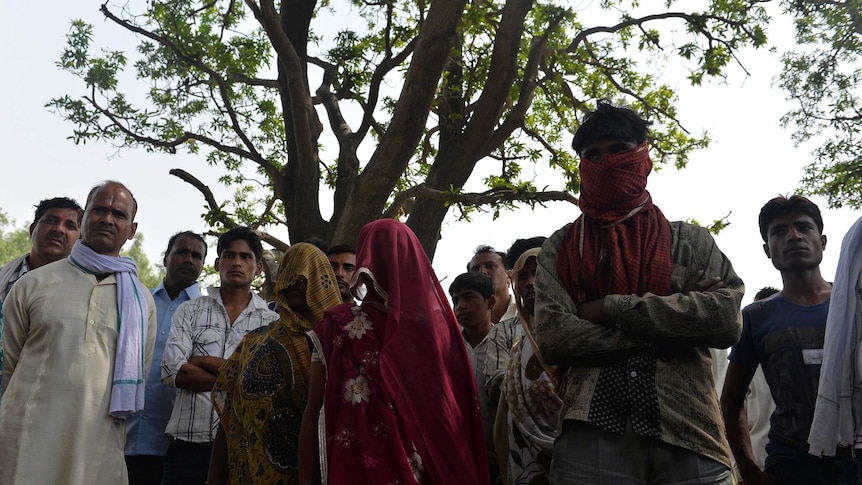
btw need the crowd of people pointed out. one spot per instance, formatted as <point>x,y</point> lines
<point>595,355</point>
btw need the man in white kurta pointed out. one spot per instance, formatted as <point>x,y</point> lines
<point>60,339</point>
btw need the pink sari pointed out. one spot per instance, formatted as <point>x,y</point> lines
<point>400,403</point>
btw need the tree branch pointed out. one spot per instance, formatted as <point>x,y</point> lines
<point>215,209</point>
<point>193,60</point>
<point>402,204</point>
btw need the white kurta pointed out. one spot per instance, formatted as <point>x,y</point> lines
<point>60,338</point>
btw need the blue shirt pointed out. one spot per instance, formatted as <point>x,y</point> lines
<point>786,339</point>
<point>145,430</point>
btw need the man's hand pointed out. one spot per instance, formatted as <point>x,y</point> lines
<point>208,363</point>
<point>699,282</point>
<point>758,477</point>
<point>593,311</point>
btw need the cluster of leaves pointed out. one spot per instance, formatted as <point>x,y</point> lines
<point>13,242</point>
<point>149,275</point>
<point>823,78</point>
<point>393,127</point>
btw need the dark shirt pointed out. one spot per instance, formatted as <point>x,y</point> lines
<point>786,339</point>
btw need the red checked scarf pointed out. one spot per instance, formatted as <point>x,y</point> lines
<point>620,245</point>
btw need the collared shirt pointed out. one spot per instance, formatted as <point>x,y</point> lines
<point>23,268</point>
<point>501,338</point>
<point>145,430</point>
<point>649,359</point>
<point>477,357</point>
<point>511,309</point>
<point>201,327</point>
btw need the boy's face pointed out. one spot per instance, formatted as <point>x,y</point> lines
<point>471,309</point>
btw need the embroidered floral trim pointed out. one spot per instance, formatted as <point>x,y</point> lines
<point>358,326</point>
<point>415,462</point>
<point>380,430</point>
<point>370,358</point>
<point>357,389</point>
<point>345,438</point>
<point>369,461</point>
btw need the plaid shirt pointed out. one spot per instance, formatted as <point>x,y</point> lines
<point>201,327</point>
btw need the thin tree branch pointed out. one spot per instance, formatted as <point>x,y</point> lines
<point>402,202</point>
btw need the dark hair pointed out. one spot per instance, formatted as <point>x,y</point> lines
<point>520,246</point>
<point>318,242</point>
<point>475,281</point>
<point>782,206</point>
<point>244,233</point>
<point>176,237</point>
<point>609,121</point>
<point>765,293</point>
<point>341,248</point>
<point>113,183</point>
<point>55,203</point>
<point>488,249</point>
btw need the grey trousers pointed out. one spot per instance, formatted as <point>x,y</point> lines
<point>587,455</point>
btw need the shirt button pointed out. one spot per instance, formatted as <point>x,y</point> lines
<point>633,374</point>
<point>92,322</point>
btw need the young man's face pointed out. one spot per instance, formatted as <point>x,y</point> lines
<point>344,265</point>
<point>794,243</point>
<point>471,308</point>
<point>600,147</point>
<point>237,265</point>
<point>54,234</point>
<point>525,285</point>
<point>184,263</point>
<point>491,264</point>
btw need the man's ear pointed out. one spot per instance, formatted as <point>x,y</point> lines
<point>259,267</point>
<point>491,301</point>
<point>509,276</point>
<point>766,250</point>
<point>215,264</point>
<point>32,226</point>
<point>134,230</point>
<point>823,241</point>
<point>80,218</point>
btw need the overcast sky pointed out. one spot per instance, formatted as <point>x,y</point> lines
<point>750,160</point>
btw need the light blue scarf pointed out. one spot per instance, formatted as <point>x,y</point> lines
<point>127,385</point>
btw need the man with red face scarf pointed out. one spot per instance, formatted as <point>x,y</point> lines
<point>628,305</point>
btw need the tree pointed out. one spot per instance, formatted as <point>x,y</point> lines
<point>13,242</point>
<point>149,276</point>
<point>407,97</point>
<point>822,77</point>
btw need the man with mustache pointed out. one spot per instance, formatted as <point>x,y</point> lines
<point>784,335</point>
<point>53,232</point>
<point>343,260</point>
<point>77,347</point>
<point>146,442</point>
<point>204,333</point>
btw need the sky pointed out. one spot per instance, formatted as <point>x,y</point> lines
<point>750,160</point>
